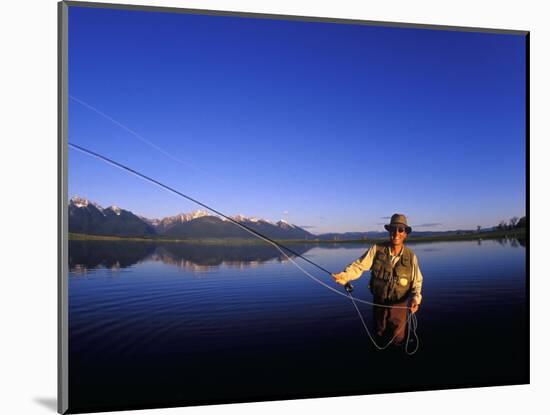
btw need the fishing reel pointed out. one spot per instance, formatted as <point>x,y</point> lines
<point>348,287</point>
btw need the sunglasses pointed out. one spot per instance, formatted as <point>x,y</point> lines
<point>398,229</point>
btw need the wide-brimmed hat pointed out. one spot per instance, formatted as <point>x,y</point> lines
<point>396,220</point>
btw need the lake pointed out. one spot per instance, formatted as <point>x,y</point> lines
<point>177,324</point>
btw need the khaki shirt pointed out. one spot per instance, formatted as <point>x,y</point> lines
<point>354,270</point>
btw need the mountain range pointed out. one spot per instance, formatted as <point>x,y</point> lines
<point>87,217</point>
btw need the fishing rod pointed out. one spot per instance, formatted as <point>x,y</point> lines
<point>143,176</point>
<point>348,286</point>
<point>411,318</point>
<point>278,245</point>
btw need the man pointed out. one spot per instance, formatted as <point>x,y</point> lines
<point>395,280</point>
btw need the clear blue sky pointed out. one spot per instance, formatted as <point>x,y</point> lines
<point>330,126</point>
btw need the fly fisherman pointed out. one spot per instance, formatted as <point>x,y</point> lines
<point>395,280</point>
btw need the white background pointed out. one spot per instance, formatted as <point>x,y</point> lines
<point>29,169</point>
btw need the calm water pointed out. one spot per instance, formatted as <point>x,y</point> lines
<point>178,324</point>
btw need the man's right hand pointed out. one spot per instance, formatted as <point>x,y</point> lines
<point>339,278</point>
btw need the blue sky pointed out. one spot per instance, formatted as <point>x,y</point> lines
<point>330,126</point>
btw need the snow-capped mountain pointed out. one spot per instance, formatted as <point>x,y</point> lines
<point>285,225</point>
<point>152,222</point>
<point>169,222</point>
<point>252,219</point>
<point>115,209</point>
<point>81,202</point>
<point>90,218</point>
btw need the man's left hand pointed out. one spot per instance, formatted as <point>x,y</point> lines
<point>339,278</point>
<point>414,306</point>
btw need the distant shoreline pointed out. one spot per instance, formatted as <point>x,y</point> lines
<point>519,233</point>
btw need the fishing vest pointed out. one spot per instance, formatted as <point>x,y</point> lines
<point>387,284</point>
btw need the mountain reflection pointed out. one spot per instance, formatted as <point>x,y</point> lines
<point>85,255</point>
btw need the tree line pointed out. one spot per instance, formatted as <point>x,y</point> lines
<point>513,223</point>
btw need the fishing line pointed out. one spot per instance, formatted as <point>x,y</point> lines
<point>280,247</point>
<point>412,324</point>
<point>141,138</point>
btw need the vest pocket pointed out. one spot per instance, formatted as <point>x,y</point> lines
<point>377,267</point>
<point>400,289</point>
<point>377,287</point>
<point>401,272</point>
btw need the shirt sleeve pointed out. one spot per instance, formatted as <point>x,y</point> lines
<point>416,292</point>
<point>354,270</point>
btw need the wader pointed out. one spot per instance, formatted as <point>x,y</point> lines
<point>391,286</point>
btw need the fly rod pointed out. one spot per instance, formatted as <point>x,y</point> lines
<point>171,189</point>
